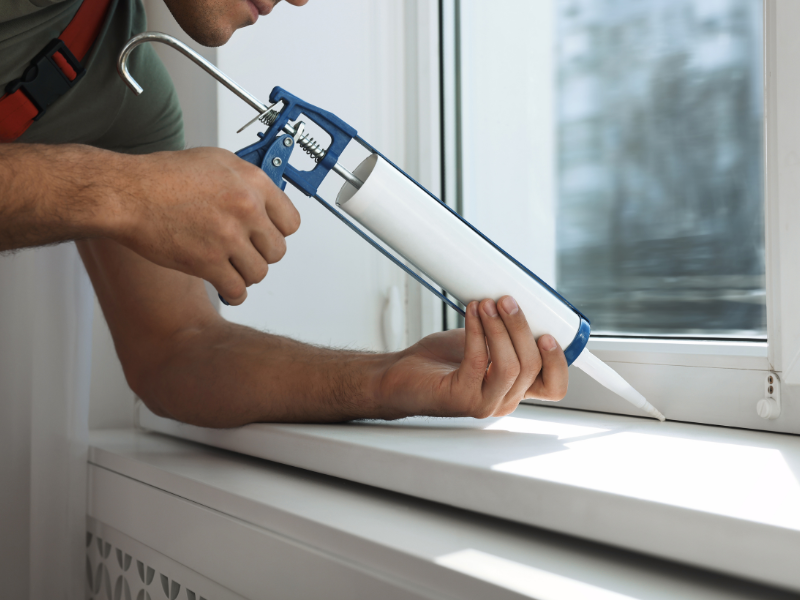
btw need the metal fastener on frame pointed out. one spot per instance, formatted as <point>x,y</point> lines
<point>769,407</point>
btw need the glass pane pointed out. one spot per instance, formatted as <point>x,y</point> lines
<point>659,226</point>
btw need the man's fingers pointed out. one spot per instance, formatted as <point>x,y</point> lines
<point>473,366</point>
<point>249,261</point>
<point>269,242</point>
<point>236,301</point>
<point>505,367</point>
<point>528,355</point>
<point>279,208</point>
<point>230,285</point>
<point>250,265</point>
<point>552,382</point>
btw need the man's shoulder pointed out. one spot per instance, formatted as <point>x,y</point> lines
<point>11,10</point>
<point>99,110</point>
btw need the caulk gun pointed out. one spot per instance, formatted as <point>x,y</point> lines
<point>410,220</point>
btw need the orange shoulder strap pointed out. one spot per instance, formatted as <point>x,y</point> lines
<point>52,73</point>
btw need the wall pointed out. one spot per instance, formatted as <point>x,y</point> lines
<point>45,314</point>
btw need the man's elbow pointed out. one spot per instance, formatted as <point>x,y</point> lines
<point>164,387</point>
<point>143,378</point>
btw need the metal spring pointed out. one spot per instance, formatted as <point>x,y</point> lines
<point>312,148</point>
<point>306,142</point>
<point>269,117</point>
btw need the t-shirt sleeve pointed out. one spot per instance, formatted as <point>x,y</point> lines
<point>152,121</point>
<point>100,110</point>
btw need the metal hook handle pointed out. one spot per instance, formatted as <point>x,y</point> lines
<point>155,36</point>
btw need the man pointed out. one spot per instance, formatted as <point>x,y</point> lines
<point>152,221</point>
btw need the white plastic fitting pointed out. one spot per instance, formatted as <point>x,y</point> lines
<point>769,407</point>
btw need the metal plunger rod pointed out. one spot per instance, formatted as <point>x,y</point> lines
<point>154,36</point>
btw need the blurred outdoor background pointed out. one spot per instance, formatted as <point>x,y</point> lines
<point>660,225</point>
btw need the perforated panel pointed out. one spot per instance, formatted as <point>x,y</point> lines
<point>120,568</point>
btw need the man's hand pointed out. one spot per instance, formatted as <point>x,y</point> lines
<point>207,213</point>
<point>204,212</point>
<point>481,371</point>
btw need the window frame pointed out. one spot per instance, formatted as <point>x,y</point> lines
<point>710,381</point>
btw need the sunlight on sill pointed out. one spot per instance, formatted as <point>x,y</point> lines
<point>562,431</point>
<point>740,481</point>
<point>522,579</point>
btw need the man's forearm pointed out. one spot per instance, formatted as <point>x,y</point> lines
<point>185,361</point>
<point>227,375</point>
<point>51,194</point>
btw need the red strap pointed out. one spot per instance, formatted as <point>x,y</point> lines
<point>85,26</point>
<point>65,66</point>
<point>16,110</point>
<point>16,115</point>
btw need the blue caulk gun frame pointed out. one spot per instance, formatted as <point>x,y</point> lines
<point>272,145</point>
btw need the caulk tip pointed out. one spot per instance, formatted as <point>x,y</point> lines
<point>656,413</point>
<point>609,378</point>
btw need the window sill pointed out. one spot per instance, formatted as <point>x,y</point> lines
<point>236,526</point>
<point>715,498</point>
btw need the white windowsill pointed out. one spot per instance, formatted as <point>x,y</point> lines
<point>251,526</point>
<point>716,498</point>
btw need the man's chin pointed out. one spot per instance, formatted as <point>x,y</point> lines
<point>212,22</point>
<point>211,37</point>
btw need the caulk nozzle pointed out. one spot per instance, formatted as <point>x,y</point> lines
<point>602,373</point>
<point>655,412</point>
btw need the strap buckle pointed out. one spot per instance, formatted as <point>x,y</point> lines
<point>43,82</point>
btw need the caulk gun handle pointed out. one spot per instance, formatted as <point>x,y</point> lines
<point>273,163</point>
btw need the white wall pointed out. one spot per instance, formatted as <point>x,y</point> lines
<point>45,315</point>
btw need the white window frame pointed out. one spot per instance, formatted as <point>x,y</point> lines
<point>711,382</point>
<point>423,142</point>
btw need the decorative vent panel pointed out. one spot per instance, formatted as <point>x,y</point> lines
<point>120,568</point>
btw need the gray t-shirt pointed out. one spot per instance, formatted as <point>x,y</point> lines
<point>100,110</point>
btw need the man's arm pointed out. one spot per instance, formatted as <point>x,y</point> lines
<point>203,211</point>
<point>52,194</point>
<point>188,363</point>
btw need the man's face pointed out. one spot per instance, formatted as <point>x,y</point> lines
<point>212,22</point>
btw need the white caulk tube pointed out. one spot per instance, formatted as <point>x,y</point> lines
<point>466,264</point>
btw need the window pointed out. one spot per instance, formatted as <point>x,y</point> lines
<point>618,150</point>
<point>658,120</point>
